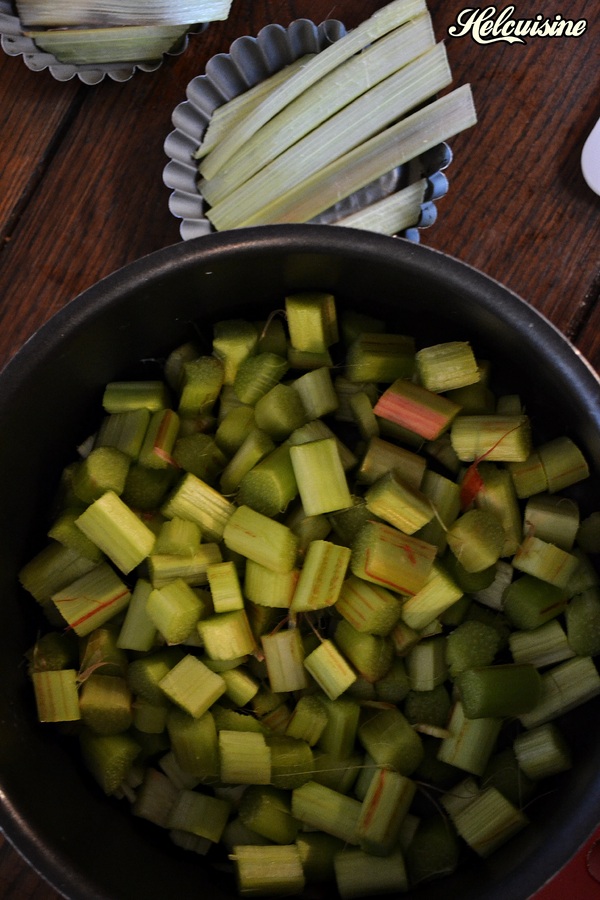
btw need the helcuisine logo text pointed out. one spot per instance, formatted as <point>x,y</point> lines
<point>488,25</point>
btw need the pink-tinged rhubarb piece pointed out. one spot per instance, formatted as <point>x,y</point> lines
<point>387,557</point>
<point>416,408</point>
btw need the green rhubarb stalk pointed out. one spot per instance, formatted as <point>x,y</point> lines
<point>64,530</point>
<point>399,504</point>
<point>563,462</point>
<point>317,393</point>
<point>318,430</point>
<point>364,417</point>
<point>392,147</point>
<point>198,502</point>
<point>543,645</point>
<point>103,469</point>
<point>51,569</point>
<point>191,685</point>
<point>476,539</point>
<point>155,798</point>
<point>377,108</point>
<point>317,851</point>
<point>270,486</point>
<point>368,607</point>
<point>149,718</point>
<point>266,810</point>
<point>501,690</point>
<point>433,850</point>
<point>234,110</point>
<point>370,654</point>
<point>165,567</point>
<point>174,609</point>
<point>225,588</point>
<point>124,431</point>
<point>233,341</point>
<point>545,561</point>
<point>470,742</point>
<point>380,357</point>
<point>447,366</point>
<point>529,602</point>
<point>321,576</point>
<point>245,758</point>
<point>438,594</point>
<point>292,761</point>
<point>391,16</point>
<point>312,320</point>
<point>542,752</point>
<point>392,214</point>
<point>157,448</point>
<point>56,695</point>
<point>261,539</point>
<point>339,735</point>
<point>234,424</point>
<point>198,453</point>
<point>470,644</point>
<point>201,383</point>
<point>381,456</point>
<point>280,411</point>
<point>179,537</point>
<point>426,664</point>
<point>284,658</point>
<point>324,809</point>
<point>320,476</point>
<point>92,599</point>
<point>308,720</point>
<point>268,870</point>
<point>154,11</point>
<point>391,741</point>
<point>552,518</point>
<point>227,635</point>
<point>360,874</point>
<point>194,745</point>
<point>109,757</point>
<point>199,814</point>
<point>257,375</point>
<point>583,622</point>
<point>385,556</point>
<point>384,807</point>
<point>346,388</point>
<point>321,101</point>
<point>497,495</point>
<point>117,531</point>
<point>330,669</point>
<point>492,437</point>
<point>122,396</point>
<point>489,821</point>
<point>105,704</point>
<point>564,687</point>
<point>267,588</point>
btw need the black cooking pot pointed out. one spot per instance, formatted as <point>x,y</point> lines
<point>90,847</point>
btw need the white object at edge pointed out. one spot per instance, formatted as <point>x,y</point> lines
<point>590,159</point>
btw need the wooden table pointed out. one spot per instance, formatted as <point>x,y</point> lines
<point>81,193</point>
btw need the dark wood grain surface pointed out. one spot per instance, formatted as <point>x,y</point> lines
<point>81,191</point>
